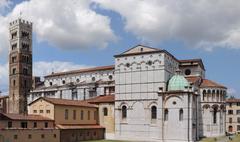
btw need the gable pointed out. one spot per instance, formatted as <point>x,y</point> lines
<point>139,49</point>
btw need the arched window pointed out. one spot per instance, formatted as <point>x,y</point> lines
<point>154,112</point>
<point>105,111</point>
<point>181,114</point>
<point>124,112</point>
<point>204,95</point>
<point>215,115</point>
<point>166,115</point>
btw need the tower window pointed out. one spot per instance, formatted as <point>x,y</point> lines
<point>14,71</point>
<point>14,58</point>
<point>25,46</point>
<point>46,124</point>
<point>215,115</point>
<point>14,82</point>
<point>25,71</point>
<point>14,46</point>
<point>25,35</point>
<point>14,35</point>
<point>63,82</point>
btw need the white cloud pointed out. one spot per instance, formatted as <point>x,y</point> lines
<point>62,23</point>
<point>201,24</point>
<point>40,68</point>
<point>4,4</point>
<point>43,68</point>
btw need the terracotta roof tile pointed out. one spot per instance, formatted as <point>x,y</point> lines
<point>75,126</point>
<point>102,99</point>
<point>100,68</point>
<point>193,79</point>
<point>66,102</point>
<point>25,117</point>
<point>209,83</point>
<point>233,100</point>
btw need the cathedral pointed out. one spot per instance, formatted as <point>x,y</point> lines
<point>157,97</point>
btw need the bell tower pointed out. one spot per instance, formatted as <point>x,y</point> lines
<point>20,65</point>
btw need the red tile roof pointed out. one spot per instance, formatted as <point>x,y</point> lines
<point>66,102</point>
<point>209,83</point>
<point>233,100</point>
<point>29,117</point>
<point>193,79</point>
<point>78,126</point>
<point>101,68</point>
<point>102,99</point>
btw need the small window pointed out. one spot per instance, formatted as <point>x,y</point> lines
<point>15,137</point>
<point>149,63</point>
<point>35,125</point>
<point>54,135</point>
<point>181,114</point>
<point>34,111</point>
<point>46,124</point>
<point>110,77</point>
<point>14,70</point>
<point>47,111</point>
<point>41,111</point>
<point>154,112</point>
<point>124,112</point>
<point>63,82</point>
<point>105,111</point>
<point>127,65</point>
<point>77,80</point>
<point>230,120</point>
<point>10,124</point>
<point>50,83</point>
<point>93,78</point>
<point>42,136</point>
<point>82,113</point>
<point>74,114</point>
<point>166,115</point>
<point>29,136</point>
<point>66,114</point>
<point>23,124</point>
<point>230,112</point>
<point>187,72</point>
<point>88,115</point>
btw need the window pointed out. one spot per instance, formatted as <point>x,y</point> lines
<point>110,77</point>
<point>187,72</point>
<point>124,112</point>
<point>25,71</point>
<point>230,120</point>
<point>46,124</point>
<point>14,82</point>
<point>181,114</point>
<point>214,115</point>
<point>14,71</point>
<point>66,114</point>
<point>50,83</point>
<point>41,111</point>
<point>93,78</point>
<point>14,35</point>
<point>63,82</point>
<point>15,137</point>
<point>95,115</point>
<point>230,104</point>
<point>82,113</point>
<point>166,115</point>
<point>14,58</point>
<point>238,127</point>
<point>34,111</point>
<point>230,111</point>
<point>74,114</point>
<point>88,115</point>
<point>29,136</point>
<point>14,46</point>
<point>25,46</point>
<point>54,135</point>
<point>154,112</point>
<point>10,124</point>
<point>47,111</point>
<point>238,112</point>
<point>105,111</point>
<point>238,119</point>
<point>23,124</point>
<point>25,83</point>
<point>35,125</point>
<point>42,136</point>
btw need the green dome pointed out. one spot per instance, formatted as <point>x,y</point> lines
<point>177,82</point>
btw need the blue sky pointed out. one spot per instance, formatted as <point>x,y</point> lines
<point>173,27</point>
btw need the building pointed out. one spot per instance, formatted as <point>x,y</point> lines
<point>76,120</point>
<point>20,65</point>
<point>233,115</point>
<point>27,128</point>
<point>4,104</point>
<point>157,97</point>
